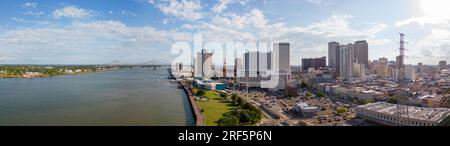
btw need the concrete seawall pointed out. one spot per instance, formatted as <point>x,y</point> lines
<point>198,116</point>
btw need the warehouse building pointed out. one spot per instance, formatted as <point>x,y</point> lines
<point>400,115</point>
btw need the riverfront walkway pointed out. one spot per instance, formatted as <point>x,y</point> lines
<point>199,120</point>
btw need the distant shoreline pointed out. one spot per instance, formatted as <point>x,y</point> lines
<point>44,71</point>
<point>48,76</point>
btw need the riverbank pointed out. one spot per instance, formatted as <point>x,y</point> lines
<point>198,116</point>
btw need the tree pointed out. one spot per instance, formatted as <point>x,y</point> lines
<point>393,99</point>
<point>255,117</point>
<point>320,94</point>
<point>224,95</point>
<point>368,101</point>
<point>244,116</point>
<point>247,116</point>
<point>247,106</point>
<point>241,102</point>
<point>341,110</point>
<point>234,97</point>
<point>303,85</point>
<point>200,92</point>
<point>308,94</point>
<point>230,120</point>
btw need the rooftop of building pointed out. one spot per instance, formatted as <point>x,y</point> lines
<point>419,113</point>
<point>305,106</point>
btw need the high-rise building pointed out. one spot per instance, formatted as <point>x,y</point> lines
<point>361,53</point>
<point>203,65</point>
<point>420,68</point>
<point>392,71</point>
<point>238,68</point>
<point>346,60</point>
<point>382,67</point>
<point>443,65</point>
<point>315,63</point>
<point>333,55</point>
<point>358,70</point>
<point>257,63</point>
<point>401,61</point>
<point>256,67</point>
<point>282,64</point>
<point>373,66</point>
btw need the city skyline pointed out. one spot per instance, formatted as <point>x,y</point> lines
<point>81,32</point>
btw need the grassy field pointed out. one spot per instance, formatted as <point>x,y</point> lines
<point>214,108</point>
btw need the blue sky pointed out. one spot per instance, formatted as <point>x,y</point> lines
<point>135,31</point>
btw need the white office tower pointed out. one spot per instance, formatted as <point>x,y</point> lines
<point>346,60</point>
<point>203,65</point>
<point>333,55</point>
<point>282,65</point>
<point>410,73</point>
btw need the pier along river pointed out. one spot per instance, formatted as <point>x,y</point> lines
<point>125,97</point>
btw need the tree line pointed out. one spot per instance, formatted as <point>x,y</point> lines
<point>245,114</point>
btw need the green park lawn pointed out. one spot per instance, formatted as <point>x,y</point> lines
<point>214,108</point>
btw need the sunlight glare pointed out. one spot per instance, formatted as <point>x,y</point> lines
<point>436,8</point>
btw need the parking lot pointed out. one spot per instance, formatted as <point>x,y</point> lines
<point>277,103</point>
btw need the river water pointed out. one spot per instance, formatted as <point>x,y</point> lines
<point>125,97</point>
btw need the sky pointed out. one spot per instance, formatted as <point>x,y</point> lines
<point>137,31</point>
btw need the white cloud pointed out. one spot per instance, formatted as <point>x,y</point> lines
<point>18,19</point>
<point>71,12</point>
<point>35,13</point>
<point>128,13</point>
<point>431,48</point>
<point>93,42</point>
<point>115,37</point>
<point>378,42</point>
<point>339,26</point>
<point>250,20</point>
<point>183,9</point>
<point>223,4</point>
<point>187,26</point>
<point>317,2</point>
<point>306,41</point>
<point>167,21</point>
<point>376,28</point>
<point>423,20</point>
<point>29,5</point>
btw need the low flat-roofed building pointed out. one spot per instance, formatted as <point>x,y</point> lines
<point>401,115</point>
<point>432,100</point>
<point>306,111</point>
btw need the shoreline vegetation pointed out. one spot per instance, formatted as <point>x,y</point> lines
<point>43,71</point>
